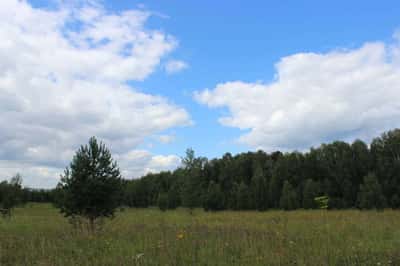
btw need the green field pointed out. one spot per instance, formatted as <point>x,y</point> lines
<point>38,235</point>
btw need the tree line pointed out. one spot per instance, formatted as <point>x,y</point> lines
<point>337,175</point>
<point>13,194</point>
<point>345,175</point>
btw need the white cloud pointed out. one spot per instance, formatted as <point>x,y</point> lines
<point>174,66</point>
<point>396,35</point>
<point>63,78</point>
<point>165,139</point>
<point>343,94</point>
<point>139,162</point>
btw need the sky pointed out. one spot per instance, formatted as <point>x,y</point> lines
<point>152,78</point>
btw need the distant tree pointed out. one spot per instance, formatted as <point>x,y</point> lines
<point>275,189</point>
<point>91,186</point>
<point>193,185</point>
<point>259,190</point>
<point>10,195</point>
<point>243,197</point>
<point>395,201</point>
<point>162,201</point>
<point>310,191</point>
<point>385,151</point>
<point>289,199</point>
<point>370,195</point>
<point>189,161</point>
<point>256,180</point>
<point>213,199</point>
<point>173,197</point>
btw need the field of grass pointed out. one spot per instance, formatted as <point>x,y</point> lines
<point>39,235</point>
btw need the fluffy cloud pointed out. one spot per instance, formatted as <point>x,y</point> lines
<point>174,66</point>
<point>145,163</point>
<point>165,139</point>
<point>63,78</point>
<point>343,94</point>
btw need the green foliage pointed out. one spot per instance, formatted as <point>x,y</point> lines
<point>385,152</point>
<point>213,200</point>
<point>370,195</point>
<point>243,197</point>
<point>259,189</point>
<point>162,201</point>
<point>255,180</point>
<point>310,191</point>
<point>11,195</point>
<point>193,187</point>
<point>91,186</point>
<point>173,197</point>
<point>289,199</point>
<point>275,189</point>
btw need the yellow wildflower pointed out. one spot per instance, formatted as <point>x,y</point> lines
<point>180,235</point>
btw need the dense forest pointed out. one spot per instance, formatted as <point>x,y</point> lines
<point>345,175</point>
<point>353,175</point>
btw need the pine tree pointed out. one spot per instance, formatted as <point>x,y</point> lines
<point>91,186</point>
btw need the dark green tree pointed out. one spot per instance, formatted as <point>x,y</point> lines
<point>259,189</point>
<point>11,194</point>
<point>213,199</point>
<point>275,189</point>
<point>370,195</point>
<point>174,197</point>
<point>289,199</point>
<point>310,192</point>
<point>193,186</point>
<point>243,197</point>
<point>162,201</point>
<point>385,151</point>
<point>91,186</point>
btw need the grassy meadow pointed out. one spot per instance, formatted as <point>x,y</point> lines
<point>38,235</point>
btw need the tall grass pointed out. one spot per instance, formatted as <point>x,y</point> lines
<point>39,235</point>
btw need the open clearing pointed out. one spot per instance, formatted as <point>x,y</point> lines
<point>38,235</point>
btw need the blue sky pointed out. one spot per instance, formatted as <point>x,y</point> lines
<point>225,41</point>
<point>241,46</point>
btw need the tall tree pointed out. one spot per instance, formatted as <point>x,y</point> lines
<point>162,201</point>
<point>385,151</point>
<point>213,199</point>
<point>310,192</point>
<point>289,199</point>
<point>370,195</point>
<point>243,197</point>
<point>91,186</point>
<point>259,190</point>
<point>194,186</point>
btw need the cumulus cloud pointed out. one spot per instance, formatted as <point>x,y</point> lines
<point>165,139</point>
<point>63,78</point>
<point>145,162</point>
<point>175,66</point>
<point>315,97</point>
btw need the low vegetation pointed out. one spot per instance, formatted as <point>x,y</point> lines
<point>39,235</point>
